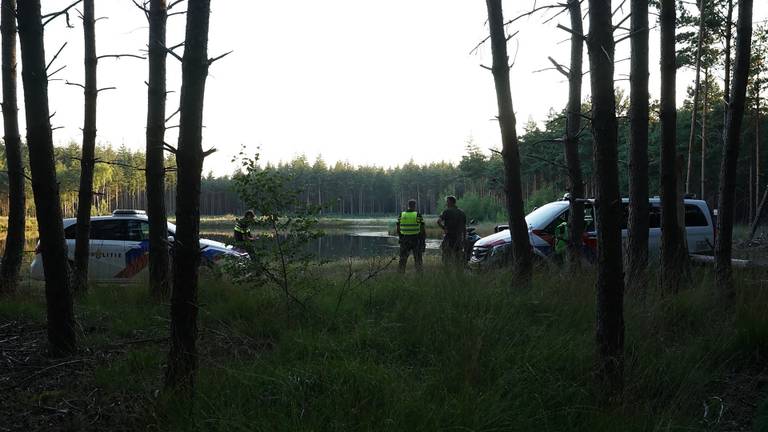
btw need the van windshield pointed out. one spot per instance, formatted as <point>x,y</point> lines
<point>542,216</point>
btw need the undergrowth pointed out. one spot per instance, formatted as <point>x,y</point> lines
<point>438,351</point>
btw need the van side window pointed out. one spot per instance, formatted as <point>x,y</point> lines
<point>694,217</point>
<point>138,230</point>
<point>70,232</point>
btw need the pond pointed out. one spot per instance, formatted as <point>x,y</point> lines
<point>356,241</point>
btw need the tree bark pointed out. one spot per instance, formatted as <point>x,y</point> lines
<point>182,359</point>
<point>696,87</point>
<point>757,141</point>
<point>87,161</point>
<point>727,60</point>
<point>674,257</point>
<point>704,133</point>
<point>14,240</point>
<point>732,136</point>
<point>638,225</point>
<point>573,127</point>
<point>155,158</point>
<point>610,277</point>
<point>521,247</point>
<point>61,322</point>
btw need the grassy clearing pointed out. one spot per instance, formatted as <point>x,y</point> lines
<point>437,352</point>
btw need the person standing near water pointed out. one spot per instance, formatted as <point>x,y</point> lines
<point>410,230</point>
<point>453,221</point>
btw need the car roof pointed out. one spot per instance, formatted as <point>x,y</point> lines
<point>71,221</point>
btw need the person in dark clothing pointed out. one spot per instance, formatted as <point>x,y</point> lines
<point>453,221</point>
<point>243,227</point>
<point>410,229</point>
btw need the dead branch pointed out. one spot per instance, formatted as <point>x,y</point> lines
<point>55,56</point>
<point>52,16</point>
<point>105,89</point>
<point>56,71</point>
<point>553,163</point>
<point>169,148</point>
<point>74,84</point>
<point>560,68</point>
<point>117,56</point>
<point>210,61</point>
<point>173,115</point>
<point>623,20</point>
<point>562,27</point>
<point>170,6</point>
<point>209,152</point>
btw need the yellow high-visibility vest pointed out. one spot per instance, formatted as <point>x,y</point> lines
<point>410,223</point>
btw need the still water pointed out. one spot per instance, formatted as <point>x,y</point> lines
<point>353,241</point>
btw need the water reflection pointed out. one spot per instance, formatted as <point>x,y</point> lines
<point>336,244</point>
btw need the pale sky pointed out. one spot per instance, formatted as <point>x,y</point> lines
<point>366,81</point>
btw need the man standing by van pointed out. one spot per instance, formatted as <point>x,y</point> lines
<point>453,221</point>
<point>410,229</point>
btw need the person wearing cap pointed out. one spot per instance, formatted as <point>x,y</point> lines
<point>410,230</point>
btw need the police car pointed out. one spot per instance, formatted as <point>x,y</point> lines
<point>119,247</point>
<point>543,221</point>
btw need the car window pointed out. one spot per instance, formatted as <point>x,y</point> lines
<point>694,217</point>
<point>70,232</point>
<point>109,229</point>
<point>138,230</point>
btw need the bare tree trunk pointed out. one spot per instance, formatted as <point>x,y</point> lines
<point>182,359</point>
<point>521,247</point>
<point>14,240</point>
<point>610,277</point>
<point>723,242</point>
<point>704,132</point>
<point>573,128</point>
<point>155,158</point>
<point>637,241</point>
<point>61,322</point>
<point>674,257</point>
<point>696,87</point>
<point>87,161</point>
<point>727,60</point>
<point>759,216</point>
<point>757,142</point>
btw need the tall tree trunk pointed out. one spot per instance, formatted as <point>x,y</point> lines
<point>87,161</point>
<point>704,132</point>
<point>696,88</point>
<point>757,142</point>
<point>576,215</point>
<point>727,59</point>
<point>638,224</point>
<point>610,277</point>
<point>674,257</point>
<point>14,240</point>
<point>521,247</point>
<point>182,359</point>
<point>61,322</point>
<point>155,161</point>
<point>723,242</point>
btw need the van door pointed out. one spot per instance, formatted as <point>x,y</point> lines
<point>698,229</point>
<point>136,249</point>
<point>109,255</point>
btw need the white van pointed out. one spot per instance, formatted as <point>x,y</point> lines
<point>543,220</point>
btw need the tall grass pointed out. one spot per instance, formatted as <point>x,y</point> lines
<point>440,351</point>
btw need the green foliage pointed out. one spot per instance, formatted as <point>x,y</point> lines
<point>482,208</point>
<point>288,224</point>
<point>542,196</point>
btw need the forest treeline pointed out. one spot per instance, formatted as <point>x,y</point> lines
<point>344,189</point>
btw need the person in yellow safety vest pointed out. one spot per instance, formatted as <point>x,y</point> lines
<point>561,238</point>
<point>410,229</point>
<point>243,227</point>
